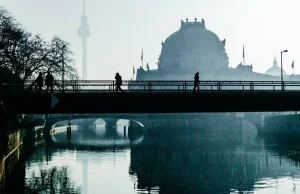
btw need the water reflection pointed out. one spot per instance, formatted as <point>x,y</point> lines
<point>97,134</point>
<point>166,160</point>
<point>53,180</point>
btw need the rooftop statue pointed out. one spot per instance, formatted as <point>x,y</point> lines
<point>224,42</point>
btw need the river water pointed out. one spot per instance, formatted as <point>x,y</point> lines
<point>165,159</point>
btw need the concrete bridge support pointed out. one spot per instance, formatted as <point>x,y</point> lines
<point>110,122</point>
<point>49,122</point>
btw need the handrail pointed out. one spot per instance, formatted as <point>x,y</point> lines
<point>168,81</point>
<point>161,85</point>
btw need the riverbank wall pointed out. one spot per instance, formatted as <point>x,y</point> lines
<point>20,144</point>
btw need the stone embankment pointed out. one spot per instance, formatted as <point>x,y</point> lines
<point>20,143</point>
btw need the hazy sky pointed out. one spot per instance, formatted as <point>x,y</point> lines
<point>121,28</point>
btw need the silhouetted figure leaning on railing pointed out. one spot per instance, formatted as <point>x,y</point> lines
<point>39,83</point>
<point>196,82</point>
<point>49,82</point>
<point>118,82</point>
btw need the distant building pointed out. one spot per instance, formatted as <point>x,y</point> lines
<point>275,70</point>
<point>193,48</point>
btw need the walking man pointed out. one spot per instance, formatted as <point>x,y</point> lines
<point>39,82</point>
<point>49,82</point>
<point>196,82</point>
<point>118,82</point>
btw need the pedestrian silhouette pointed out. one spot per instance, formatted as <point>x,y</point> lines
<point>39,82</point>
<point>196,82</point>
<point>49,82</point>
<point>118,82</point>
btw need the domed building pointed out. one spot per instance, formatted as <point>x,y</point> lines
<point>194,48</point>
<point>275,70</point>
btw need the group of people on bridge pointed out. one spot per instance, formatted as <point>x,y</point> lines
<point>49,80</point>
<point>39,82</point>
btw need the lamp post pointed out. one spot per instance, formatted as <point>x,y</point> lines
<point>63,68</point>
<point>285,51</point>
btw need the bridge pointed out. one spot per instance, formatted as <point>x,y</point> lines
<point>155,97</point>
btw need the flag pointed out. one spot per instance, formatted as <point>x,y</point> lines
<point>293,65</point>
<point>133,70</point>
<point>142,56</point>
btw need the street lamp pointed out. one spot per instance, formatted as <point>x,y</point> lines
<point>285,51</point>
<point>63,68</point>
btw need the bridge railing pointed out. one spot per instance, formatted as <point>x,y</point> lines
<point>158,86</point>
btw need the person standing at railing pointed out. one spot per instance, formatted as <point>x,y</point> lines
<point>39,82</point>
<point>196,82</point>
<point>49,82</point>
<point>118,82</point>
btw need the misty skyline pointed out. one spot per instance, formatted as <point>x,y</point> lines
<point>120,29</point>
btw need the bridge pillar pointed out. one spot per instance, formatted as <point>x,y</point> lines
<point>69,131</point>
<point>258,119</point>
<point>110,122</point>
<point>125,131</point>
<point>86,123</point>
<point>49,122</point>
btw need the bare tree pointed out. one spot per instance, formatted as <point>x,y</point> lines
<point>25,54</point>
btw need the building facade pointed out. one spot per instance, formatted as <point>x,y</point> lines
<point>194,48</point>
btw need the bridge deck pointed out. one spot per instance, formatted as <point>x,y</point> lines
<point>154,101</point>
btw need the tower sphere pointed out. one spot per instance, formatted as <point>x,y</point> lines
<point>84,29</point>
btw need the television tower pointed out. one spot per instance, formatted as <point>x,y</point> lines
<point>84,33</point>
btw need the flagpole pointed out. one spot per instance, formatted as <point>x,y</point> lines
<point>244,55</point>
<point>133,72</point>
<point>143,58</point>
<point>293,66</point>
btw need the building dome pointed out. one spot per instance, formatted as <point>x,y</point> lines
<point>193,47</point>
<point>275,70</point>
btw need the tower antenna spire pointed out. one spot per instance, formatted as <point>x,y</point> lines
<point>84,33</point>
<point>84,7</point>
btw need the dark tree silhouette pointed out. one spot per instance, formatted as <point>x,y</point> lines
<point>54,180</point>
<point>25,54</point>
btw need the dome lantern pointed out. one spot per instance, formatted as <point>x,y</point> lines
<point>275,70</point>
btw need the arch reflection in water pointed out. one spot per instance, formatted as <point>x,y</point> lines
<point>212,159</point>
<point>98,133</point>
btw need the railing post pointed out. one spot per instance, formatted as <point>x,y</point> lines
<point>219,86</point>
<point>184,86</point>
<point>113,86</point>
<point>149,86</point>
<point>283,86</point>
